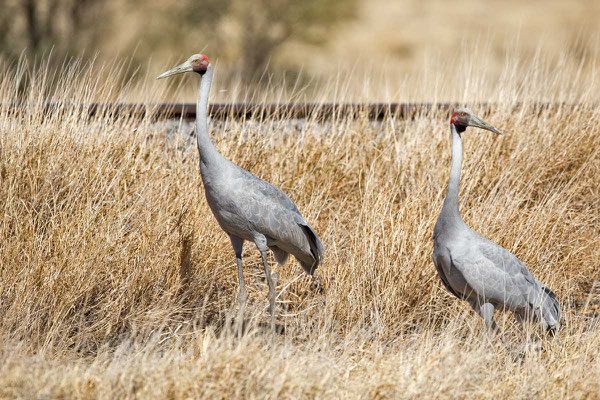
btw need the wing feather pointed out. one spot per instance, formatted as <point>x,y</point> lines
<point>443,277</point>
<point>496,274</point>
<point>271,212</point>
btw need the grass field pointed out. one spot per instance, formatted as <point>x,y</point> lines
<point>116,281</point>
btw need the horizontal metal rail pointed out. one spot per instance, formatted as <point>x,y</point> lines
<point>372,111</point>
<point>221,111</point>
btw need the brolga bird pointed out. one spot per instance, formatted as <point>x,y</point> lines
<point>246,207</point>
<point>478,270</point>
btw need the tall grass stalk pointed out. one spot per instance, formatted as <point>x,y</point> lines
<point>116,281</point>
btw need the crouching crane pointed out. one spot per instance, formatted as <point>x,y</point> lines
<point>246,207</point>
<point>474,268</point>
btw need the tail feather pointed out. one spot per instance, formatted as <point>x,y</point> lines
<point>550,310</point>
<point>281,256</point>
<point>316,249</point>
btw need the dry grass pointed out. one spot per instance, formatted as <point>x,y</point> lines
<point>389,42</point>
<point>115,280</point>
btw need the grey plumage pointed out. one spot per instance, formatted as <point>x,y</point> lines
<point>474,268</point>
<point>246,207</point>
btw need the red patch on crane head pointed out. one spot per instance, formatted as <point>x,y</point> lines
<point>453,118</point>
<point>200,63</point>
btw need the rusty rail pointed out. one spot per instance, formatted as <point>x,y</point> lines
<point>221,111</point>
<point>372,111</point>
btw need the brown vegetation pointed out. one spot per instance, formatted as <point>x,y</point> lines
<point>116,281</point>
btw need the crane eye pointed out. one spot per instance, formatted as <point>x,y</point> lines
<point>462,114</point>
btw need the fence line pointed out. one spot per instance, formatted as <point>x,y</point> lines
<point>187,111</point>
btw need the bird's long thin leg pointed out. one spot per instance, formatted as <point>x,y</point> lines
<point>272,294</point>
<point>262,247</point>
<point>238,245</point>
<point>486,310</point>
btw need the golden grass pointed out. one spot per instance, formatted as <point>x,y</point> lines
<point>388,41</point>
<point>116,281</point>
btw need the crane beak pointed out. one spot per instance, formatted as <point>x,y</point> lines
<point>479,123</point>
<point>180,69</point>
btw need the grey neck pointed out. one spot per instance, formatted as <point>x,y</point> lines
<point>208,153</point>
<point>450,208</point>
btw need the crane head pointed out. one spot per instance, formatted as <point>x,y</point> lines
<point>463,117</point>
<point>197,63</point>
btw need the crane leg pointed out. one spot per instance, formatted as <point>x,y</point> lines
<point>486,311</point>
<point>272,294</point>
<point>238,245</point>
<point>262,247</point>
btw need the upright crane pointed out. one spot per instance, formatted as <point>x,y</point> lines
<point>476,269</point>
<point>246,207</point>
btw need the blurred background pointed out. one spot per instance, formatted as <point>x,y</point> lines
<point>296,42</point>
